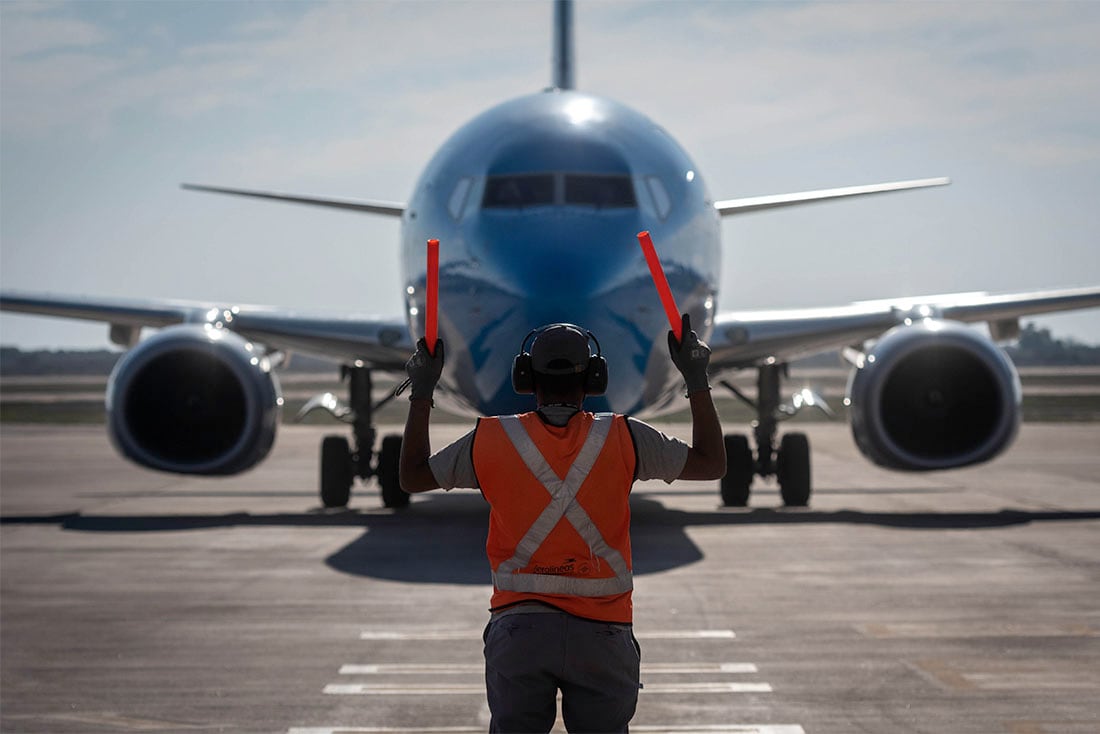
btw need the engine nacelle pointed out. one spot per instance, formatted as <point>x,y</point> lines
<point>193,400</point>
<point>934,395</point>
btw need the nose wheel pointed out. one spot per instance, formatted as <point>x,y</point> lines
<point>343,460</point>
<point>337,471</point>
<point>792,469</point>
<point>389,459</point>
<point>740,468</point>
<point>789,463</point>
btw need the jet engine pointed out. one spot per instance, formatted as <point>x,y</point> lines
<point>933,395</point>
<point>193,400</point>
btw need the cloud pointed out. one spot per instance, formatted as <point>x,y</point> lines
<point>336,49</point>
<point>783,76</point>
<point>821,73</point>
<point>28,28</point>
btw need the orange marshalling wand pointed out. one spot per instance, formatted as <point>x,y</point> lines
<point>661,282</point>
<point>431,318</point>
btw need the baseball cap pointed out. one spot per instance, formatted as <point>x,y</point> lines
<point>560,349</point>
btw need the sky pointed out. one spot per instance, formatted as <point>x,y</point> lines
<point>106,107</point>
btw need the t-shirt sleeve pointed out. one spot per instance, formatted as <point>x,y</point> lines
<point>453,466</point>
<point>658,456</point>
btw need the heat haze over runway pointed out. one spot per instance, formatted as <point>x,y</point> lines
<point>961,601</point>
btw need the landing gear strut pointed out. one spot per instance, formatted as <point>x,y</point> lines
<point>342,461</point>
<point>790,464</point>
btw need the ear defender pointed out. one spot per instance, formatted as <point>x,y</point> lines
<point>523,376</point>
<point>595,375</point>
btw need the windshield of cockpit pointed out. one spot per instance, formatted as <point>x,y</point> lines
<point>524,190</point>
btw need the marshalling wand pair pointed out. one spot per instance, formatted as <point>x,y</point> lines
<point>431,318</point>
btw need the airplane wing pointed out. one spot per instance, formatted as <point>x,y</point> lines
<point>381,343</point>
<point>746,338</point>
<point>724,208</point>
<point>727,207</point>
<point>388,208</point>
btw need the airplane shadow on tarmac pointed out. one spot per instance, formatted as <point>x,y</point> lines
<point>441,537</point>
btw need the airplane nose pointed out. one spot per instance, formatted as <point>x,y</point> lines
<point>556,268</point>
<point>560,254</point>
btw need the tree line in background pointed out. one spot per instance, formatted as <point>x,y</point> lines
<point>1035,347</point>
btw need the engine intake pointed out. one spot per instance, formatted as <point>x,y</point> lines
<point>193,400</point>
<point>934,395</point>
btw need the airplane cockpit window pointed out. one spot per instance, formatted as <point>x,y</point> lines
<point>517,192</point>
<point>602,192</point>
<point>661,200</point>
<point>457,203</point>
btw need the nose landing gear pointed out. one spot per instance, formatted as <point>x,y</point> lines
<point>789,464</point>
<point>341,460</point>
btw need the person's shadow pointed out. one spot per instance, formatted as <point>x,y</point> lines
<point>440,538</point>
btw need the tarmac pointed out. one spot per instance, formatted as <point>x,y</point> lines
<point>132,601</point>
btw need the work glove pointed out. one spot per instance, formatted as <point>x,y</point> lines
<point>424,370</point>
<point>691,356</point>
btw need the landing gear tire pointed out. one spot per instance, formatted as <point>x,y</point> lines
<point>336,471</point>
<point>792,469</point>
<point>739,471</point>
<point>389,458</point>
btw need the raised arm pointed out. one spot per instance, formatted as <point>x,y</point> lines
<point>424,370</point>
<point>707,456</point>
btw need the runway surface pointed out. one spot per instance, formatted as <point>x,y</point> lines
<point>958,602</point>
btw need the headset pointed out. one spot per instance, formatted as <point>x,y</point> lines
<point>523,374</point>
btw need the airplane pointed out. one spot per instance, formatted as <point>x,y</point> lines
<point>537,203</point>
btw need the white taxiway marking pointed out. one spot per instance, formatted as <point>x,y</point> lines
<point>718,729</point>
<point>438,689</point>
<point>679,668</point>
<point>686,635</point>
<point>465,669</point>
<point>716,687</point>
<point>420,635</point>
<point>410,669</point>
<point>723,729</point>
<point>476,634</point>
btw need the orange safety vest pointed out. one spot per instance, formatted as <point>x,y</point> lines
<point>559,523</point>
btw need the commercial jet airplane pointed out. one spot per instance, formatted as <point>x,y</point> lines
<point>537,203</point>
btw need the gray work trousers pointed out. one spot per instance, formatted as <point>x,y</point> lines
<point>530,657</point>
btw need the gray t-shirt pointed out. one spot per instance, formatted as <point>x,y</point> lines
<point>658,457</point>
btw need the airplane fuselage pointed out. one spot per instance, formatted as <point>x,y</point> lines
<point>537,203</point>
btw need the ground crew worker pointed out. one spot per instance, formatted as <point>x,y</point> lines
<point>558,481</point>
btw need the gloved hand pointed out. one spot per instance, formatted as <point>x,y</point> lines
<point>424,370</point>
<point>691,356</point>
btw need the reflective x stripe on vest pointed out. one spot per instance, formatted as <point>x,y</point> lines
<point>563,503</point>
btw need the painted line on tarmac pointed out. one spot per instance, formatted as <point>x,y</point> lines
<point>463,668</point>
<point>686,635</point>
<point>716,687</point>
<point>648,729</point>
<point>970,630</point>
<point>411,669</point>
<point>723,729</point>
<point>442,689</point>
<point>420,689</point>
<point>422,635</point>
<point>384,730</point>
<point>682,668</point>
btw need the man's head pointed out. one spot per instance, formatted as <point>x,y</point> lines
<point>560,367</point>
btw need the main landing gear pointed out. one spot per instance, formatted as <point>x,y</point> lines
<point>789,463</point>
<point>341,460</point>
